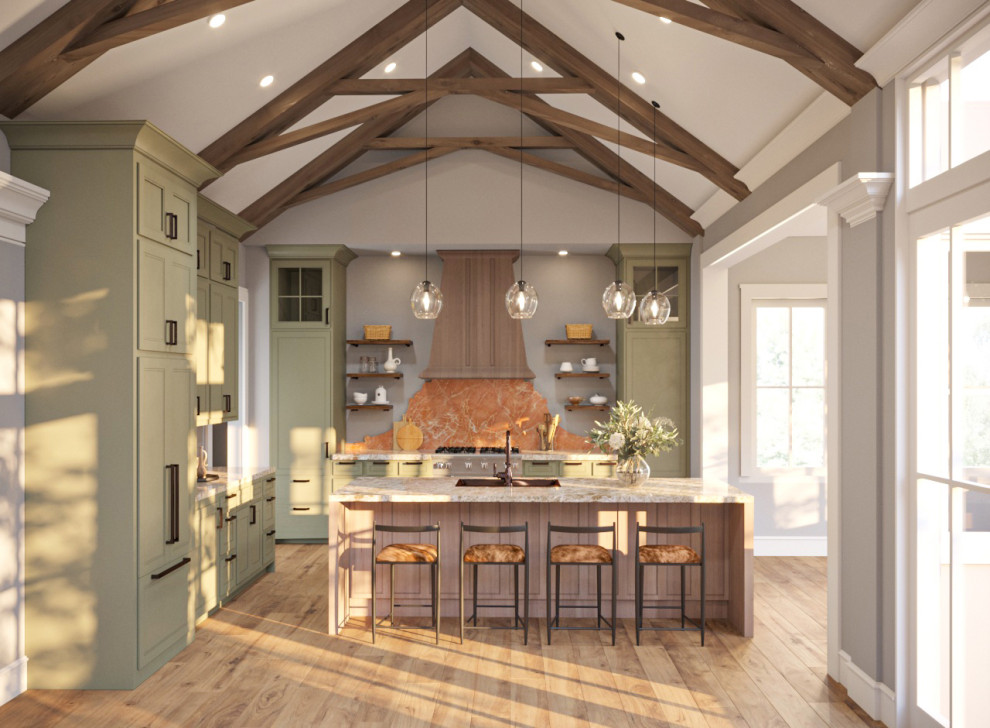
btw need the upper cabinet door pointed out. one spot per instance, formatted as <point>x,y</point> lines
<point>166,207</point>
<point>671,276</point>
<point>202,251</point>
<point>300,294</point>
<point>166,299</point>
<point>223,258</point>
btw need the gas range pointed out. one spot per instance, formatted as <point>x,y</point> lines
<point>459,461</point>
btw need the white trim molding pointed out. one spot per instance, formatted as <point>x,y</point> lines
<point>790,546</point>
<point>860,197</point>
<point>13,679</point>
<point>878,700</point>
<point>19,204</point>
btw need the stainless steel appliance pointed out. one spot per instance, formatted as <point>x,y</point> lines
<point>459,460</point>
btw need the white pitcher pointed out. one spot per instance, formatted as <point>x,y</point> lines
<point>392,363</point>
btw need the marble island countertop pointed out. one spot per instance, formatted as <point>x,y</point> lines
<point>571,490</point>
<point>416,455</point>
<point>229,477</point>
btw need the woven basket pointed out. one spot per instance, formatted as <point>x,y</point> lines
<point>578,331</point>
<point>377,331</point>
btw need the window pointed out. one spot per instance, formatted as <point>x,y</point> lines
<point>782,356</point>
<point>949,110</point>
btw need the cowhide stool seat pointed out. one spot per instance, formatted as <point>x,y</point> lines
<point>579,554</point>
<point>406,554</point>
<point>669,555</point>
<point>496,554</point>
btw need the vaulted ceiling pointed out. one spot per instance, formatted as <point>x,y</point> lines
<point>728,76</point>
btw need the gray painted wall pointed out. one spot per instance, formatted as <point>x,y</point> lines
<point>858,143</point>
<point>11,467</point>
<point>788,507</point>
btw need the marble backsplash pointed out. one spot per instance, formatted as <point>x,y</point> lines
<point>477,412</point>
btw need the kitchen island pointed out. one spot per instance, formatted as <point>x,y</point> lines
<point>726,512</point>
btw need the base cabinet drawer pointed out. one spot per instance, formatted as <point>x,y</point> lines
<point>540,468</point>
<point>301,521</point>
<point>603,470</point>
<point>268,552</point>
<point>575,469</point>
<point>228,575</point>
<point>165,611</point>
<point>380,468</point>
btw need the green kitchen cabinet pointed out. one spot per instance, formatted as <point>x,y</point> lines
<point>223,353</point>
<point>268,521</point>
<point>204,415</point>
<point>250,541</point>
<point>575,468</point>
<point>653,363</point>
<point>209,523</point>
<point>110,430</point>
<point>223,257</point>
<point>541,468</point>
<point>307,381</point>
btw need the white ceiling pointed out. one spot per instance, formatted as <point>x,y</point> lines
<point>196,83</point>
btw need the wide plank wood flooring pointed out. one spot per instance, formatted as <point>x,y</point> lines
<point>266,660</point>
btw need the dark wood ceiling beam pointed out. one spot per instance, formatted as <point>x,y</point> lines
<point>606,160</point>
<point>359,86</point>
<point>30,67</point>
<point>536,107</point>
<point>531,142</point>
<point>382,170</point>
<point>140,25</point>
<point>840,76</point>
<point>564,170</point>
<point>728,27</point>
<point>503,15</point>
<point>355,59</point>
<point>335,159</point>
<point>337,123</point>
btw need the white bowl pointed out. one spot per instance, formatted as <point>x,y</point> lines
<point>360,397</point>
<point>598,399</point>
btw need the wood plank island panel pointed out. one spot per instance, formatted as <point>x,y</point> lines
<point>725,511</point>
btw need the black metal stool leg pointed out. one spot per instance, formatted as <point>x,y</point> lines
<point>474,598</point>
<point>374,596</point>
<point>598,569</point>
<point>391,594</point>
<point>615,589</point>
<point>549,621</point>
<point>556,614</point>
<point>683,597</point>
<point>638,602</point>
<point>460,596</point>
<point>526,603</point>
<point>515,584</point>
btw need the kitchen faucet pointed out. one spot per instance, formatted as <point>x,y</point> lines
<point>506,475</point>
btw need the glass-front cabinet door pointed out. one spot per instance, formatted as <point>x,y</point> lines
<point>300,294</point>
<point>670,275</point>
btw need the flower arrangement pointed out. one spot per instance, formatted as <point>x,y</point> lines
<point>629,432</point>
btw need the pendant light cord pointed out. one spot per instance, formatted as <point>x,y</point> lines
<point>426,140</point>
<point>618,144</point>
<point>654,211</point>
<point>521,278</point>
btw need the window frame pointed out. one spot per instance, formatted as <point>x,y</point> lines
<point>751,295</point>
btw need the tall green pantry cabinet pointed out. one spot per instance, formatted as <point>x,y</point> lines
<point>110,434</point>
<point>308,340</point>
<point>654,362</point>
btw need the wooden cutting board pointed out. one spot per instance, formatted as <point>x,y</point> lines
<point>407,435</point>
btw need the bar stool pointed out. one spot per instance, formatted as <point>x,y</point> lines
<point>406,554</point>
<point>669,555</point>
<point>496,554</point>
<point>580,555</point>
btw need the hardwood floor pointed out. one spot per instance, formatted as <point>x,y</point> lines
<point>267,660</point>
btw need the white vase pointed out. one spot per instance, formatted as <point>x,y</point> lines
<point>632,471</point>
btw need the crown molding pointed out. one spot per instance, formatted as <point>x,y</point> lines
<point>860,197</point>
<point>19,205</point>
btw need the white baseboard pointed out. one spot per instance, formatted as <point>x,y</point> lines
<point>874,697</point>
<point>790,546</point>
<point>13,680</point>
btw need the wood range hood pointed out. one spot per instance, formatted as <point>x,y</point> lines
<point>474,337</point>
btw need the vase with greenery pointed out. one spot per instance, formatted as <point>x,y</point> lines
<point>631,435</point>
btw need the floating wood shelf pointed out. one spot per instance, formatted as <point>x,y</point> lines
<point>380,342</point>
<point>585,375</point>
<point>374,375</point>
<point>577,342</point>
<point>599,407</point>
<point>356,407</point>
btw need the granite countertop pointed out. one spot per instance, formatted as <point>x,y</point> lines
<point>571,490</point>
<point>229,477</point>
<point>415,455</point>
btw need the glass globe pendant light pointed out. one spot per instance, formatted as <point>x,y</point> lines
<point>654,309</point>
<point>521,299</point>
<point>427,299</point>
<point>619,299</point>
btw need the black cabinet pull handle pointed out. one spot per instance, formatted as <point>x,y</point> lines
<point>231,518</point>
<point>298,508</point>
<point>230,558</point>
<point>198,411</point>
<point>270,500</point>
<point>197,259</point>
<point>231,495</point>
<point>326,448</point>
<point>326,316</point>
<point>171,331</point>
<point>271,533</point>
<point>170,569</point>
<point>270,480</point>
<point>172,226</point>
<point>226,403</point>
<point>226,271</point>
<point>173,504</point>
<point>254,516</point>
<point>219,519</point>
<point>300,481</point>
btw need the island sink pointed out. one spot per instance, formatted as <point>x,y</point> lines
<point>516,482</point>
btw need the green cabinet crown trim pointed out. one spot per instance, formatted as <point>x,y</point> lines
<point>214,214</point>
<point>339,253</point>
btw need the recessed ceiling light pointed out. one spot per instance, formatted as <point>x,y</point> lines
<point>537,66</point>
<point>561,252</point>
<point>390,67</point>
<point>665,21</point>
<point>267,81</point>
<point>396,253</point>
<point>638,77</point>
<point>217,20</point>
